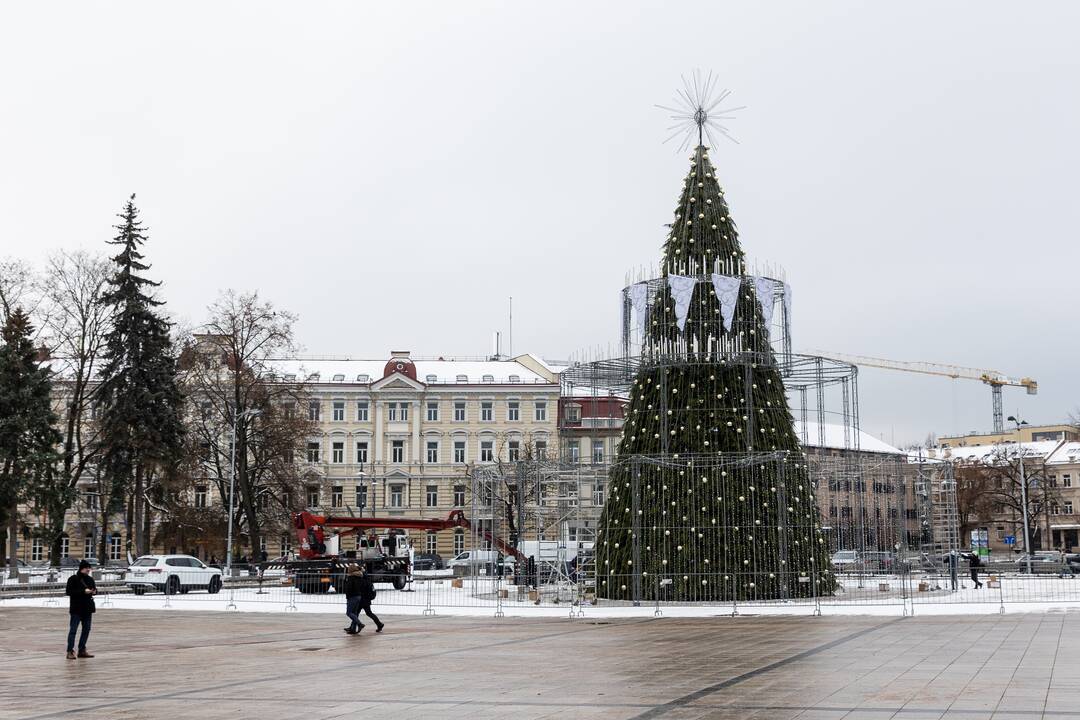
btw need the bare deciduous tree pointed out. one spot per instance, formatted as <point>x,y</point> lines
<point>228,373</point>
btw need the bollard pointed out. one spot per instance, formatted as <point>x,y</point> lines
<point>428,609</point>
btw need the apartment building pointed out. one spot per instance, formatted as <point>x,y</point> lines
<point>403,437</point>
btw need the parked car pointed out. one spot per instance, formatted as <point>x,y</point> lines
<point>428,561</point>
<point>846,561</point>
<point>1043,562</point>
<point>70,563</point>
<point>172,574</point>
<point>883,562</point>
<point>1072,560</point>
<point>490,561</point>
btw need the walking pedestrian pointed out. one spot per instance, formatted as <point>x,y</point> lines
<point>353,591</point>
<point>975,563</point>
<point>359,594</point>
<point>367,596</point>
<point>81,589</point>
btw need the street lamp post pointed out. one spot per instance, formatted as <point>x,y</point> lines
<point>1023,491</point>
<point>232,489</point>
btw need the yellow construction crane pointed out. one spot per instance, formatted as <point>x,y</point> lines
<point>993,378</point>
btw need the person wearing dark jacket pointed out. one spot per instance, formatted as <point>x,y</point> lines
<point>974,563</point>
<point>81,591</point>
<point>359,592</point>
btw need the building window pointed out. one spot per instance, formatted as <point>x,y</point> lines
<point>391,410</point>
<point>1068,507</point>
<point>362,411</point>
<point>337,451</point>
<point>433,451</point>
<point>337,496</point>
<point>598,495</point>
<point>89,551</point>
<point>432,496</point>
<point>540,411</point>
<point>541,449</point>
<point>459,541</point>
<point>361,496</point>
<point>513,411</point>
<point>514,450</point>
<point>397,451</point>
<point>433,412</point>
<point>397,496</point>
<point>285,544</point>
<point>598,451</point>
<point>312,452</point>
<point>1055,509</point>
<point>459,496</point>
<point>487,452</point>
<point>313,496</point>
<point>65,546</point>
<point>431,541</point>
<point>573,450</point>
<point>90,499</point>
<point>339,411</point>
<point>313,411</point>
<point>200,496</point>
<point>459,451</point>
<point>361,453</point>
<point>1053,481</point>
<point>573,413</point>
<point>486,413</point>
<point>404,412</point>
<point>459,412</point>
<point>114,548</point>
<point>1066,481</point>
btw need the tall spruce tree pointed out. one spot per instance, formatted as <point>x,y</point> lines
<point>710,497</point>
<point>28,434</point>
<point>141,429</point>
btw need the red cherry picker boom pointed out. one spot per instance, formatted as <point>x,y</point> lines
<point>314,570</point>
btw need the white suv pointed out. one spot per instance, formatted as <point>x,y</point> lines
<point>172,574</point>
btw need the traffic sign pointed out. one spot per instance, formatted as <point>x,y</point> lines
<point>1010,539</point>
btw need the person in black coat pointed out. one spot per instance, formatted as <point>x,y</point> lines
<point>359,594</point>
<point>81,590</point>
<point>974,563</point>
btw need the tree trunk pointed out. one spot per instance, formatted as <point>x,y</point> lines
<point>13,541</point>
<point>129,515</point>
<point>139,509</point>
<point>144,536</point>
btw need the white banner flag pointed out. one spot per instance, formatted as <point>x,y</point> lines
<point>766,295</point>
<point>682,290</point>
<point>639,298</point>
<point>727,293</point>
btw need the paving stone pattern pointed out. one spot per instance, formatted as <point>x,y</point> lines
<point>222,665</point>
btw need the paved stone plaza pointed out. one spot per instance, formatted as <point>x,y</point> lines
<point>219,665</point>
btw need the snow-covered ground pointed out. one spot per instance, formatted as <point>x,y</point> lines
<point>479,598</point>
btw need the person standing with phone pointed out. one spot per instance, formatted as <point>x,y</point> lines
<point>81,590</point>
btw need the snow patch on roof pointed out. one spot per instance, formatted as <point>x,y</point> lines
<point>840,438</point>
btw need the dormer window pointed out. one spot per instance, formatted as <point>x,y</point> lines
<point>313,377</point>
<point>430,379</point>
<point>291,377</point>
<point>463,378</point>
<point>488,379</point>
<point>340,377</point>
<point>515,378</point>
<point>362,378</point>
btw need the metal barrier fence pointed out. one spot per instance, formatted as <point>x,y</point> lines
<point>438,592</point>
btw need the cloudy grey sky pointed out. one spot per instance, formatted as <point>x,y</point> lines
<point>393,171</point>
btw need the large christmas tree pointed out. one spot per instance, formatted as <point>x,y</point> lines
<point>710,498</point>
